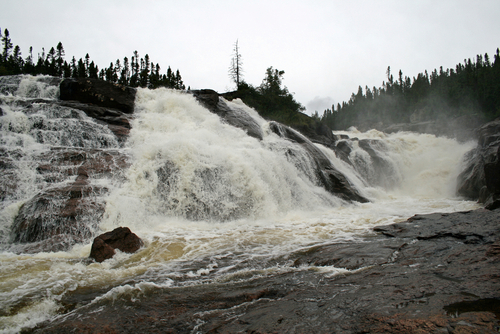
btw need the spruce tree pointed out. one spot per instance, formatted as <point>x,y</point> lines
<point>7,46</point>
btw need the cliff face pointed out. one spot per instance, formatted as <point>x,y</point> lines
<point>480,180</point>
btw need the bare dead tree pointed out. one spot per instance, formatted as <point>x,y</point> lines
<point>235,70</point>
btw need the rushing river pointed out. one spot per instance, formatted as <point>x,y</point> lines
<point>210,202</point>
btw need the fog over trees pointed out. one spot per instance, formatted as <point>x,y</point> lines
<point>471,88</point>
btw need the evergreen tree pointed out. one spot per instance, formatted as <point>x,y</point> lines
<point>81,71</point>
<point>6,46</point>
<point>59,59</point>
<point>93,70</point>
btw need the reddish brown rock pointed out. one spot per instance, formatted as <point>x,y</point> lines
<point>120,238</point>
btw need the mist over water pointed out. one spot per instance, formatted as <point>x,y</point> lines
<point>210,202</point>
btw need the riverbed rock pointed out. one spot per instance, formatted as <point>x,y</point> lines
<point>121,238</point>
<point>117,121</point>
<point>66,211</point>
<point>433,273</point>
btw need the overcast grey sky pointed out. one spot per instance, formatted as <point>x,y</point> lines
<point>327,48</point>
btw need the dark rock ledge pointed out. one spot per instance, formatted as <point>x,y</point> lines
<point>436,273</point>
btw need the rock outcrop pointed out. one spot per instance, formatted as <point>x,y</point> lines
<point>121,238</point>
<point>67,211</point>
<point>329,177</point>
<point>211,100</point>
<point>69,205</point>
<point>98,92</point>
<point>434,273</point>
<point>481,176</point>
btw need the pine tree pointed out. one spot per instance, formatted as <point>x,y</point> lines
<point>7,46</point>
<point>60,59</point>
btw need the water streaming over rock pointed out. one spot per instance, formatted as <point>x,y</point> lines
<point>211,202</point>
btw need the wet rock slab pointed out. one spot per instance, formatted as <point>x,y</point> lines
<point>434,273</point>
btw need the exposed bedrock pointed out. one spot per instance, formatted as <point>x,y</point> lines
<point>69,206</point>
<point>98,92</point>
<point>117,121</point>
<point>433,273</point>
<point>238,118</point>
<point>329,177</point>
<point>481,176</point>
<point>66,211</point>
<point>109,103</point>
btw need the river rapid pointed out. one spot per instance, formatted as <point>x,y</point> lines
<point>211,203</point>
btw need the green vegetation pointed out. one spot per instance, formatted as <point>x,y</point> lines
<point>138,72</point>
<point>472,88</point>
<point>271,100</point>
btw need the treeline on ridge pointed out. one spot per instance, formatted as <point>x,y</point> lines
<point>136,72</point>
<point>271,100</point>
<point>472,88</point>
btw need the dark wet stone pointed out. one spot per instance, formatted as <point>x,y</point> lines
<point>117,121</point>
<point>420,276</point>
<point>121,238</point>
<point>67,212</point>
<point>210,99</point>
<point>98,92</point>
<point>480,179</point>
<point>331,179</point>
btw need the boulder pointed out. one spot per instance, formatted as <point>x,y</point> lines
<point>121,238</point>
<point>98,92</point>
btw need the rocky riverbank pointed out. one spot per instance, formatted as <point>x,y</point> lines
<point>435,273</point>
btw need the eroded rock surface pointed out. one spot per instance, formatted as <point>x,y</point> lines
<point>330,178</point>
<point>431,274</point>
<point>66,211</point>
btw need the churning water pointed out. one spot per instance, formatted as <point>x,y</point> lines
<point>210,202</point>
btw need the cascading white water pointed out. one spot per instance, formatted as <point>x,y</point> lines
<point>210,202</point>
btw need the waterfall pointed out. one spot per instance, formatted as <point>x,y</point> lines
<point>211,202</point>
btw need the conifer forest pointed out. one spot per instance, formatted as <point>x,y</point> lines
<point>471,88</point>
